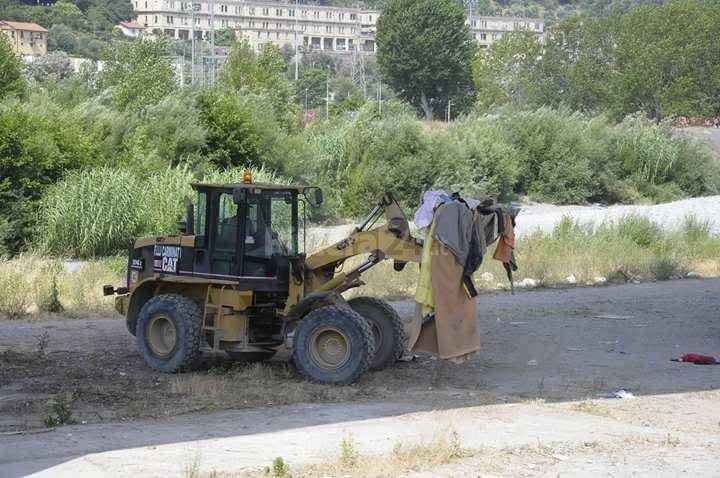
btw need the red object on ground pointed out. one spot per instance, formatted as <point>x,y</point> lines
<point>698,359</point>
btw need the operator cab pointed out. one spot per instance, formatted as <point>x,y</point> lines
<point>248,232</point>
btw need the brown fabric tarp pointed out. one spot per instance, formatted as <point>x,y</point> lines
<point>454,332</point>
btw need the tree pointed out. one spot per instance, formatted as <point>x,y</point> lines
<point>61,37</point>
<point>503,72</point>
<point>68,14</point>
<point>139,73</point>
<point>262,74</point>
<point>225,37</point>
<point>38,143</point>
<point>11,79</point>
<point>311,87</point>
<point>425,52</point>
<point>578,64</point>
<point>668,60</point>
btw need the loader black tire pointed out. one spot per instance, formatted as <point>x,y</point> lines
<point>333,344</point>
<point>388,330</point>
<point>162,350</point>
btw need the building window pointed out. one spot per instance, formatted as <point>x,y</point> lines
<point>155,18</point>
<point>251,10</point>
<point>266,11</point>
<point>316,14</point>
<point>353,16</point>
<point>328,29</point>
<point>483,36</point>
<point>291,12</point>
<point>251,23</point>
<point>278,12</point>
<point>341,16</point>
<point>278,26</point>
<point>223,9</point>
<point>328,15</point>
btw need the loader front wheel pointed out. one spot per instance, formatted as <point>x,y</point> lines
<point>387,327</point>
<point>168,332</point>
<point>333,344</point>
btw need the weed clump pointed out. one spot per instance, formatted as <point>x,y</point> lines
<point>60,411</point>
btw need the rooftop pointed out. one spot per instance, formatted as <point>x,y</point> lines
<point>133,25</point>
<point>25,26</point>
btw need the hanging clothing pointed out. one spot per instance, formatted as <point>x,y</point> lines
<point>423,292</point>
<point>454,332</point>
<point>430,200</point>
<point>454,227</point>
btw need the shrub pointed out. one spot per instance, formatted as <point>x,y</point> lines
<point>475,158</point>
<point>556,149</point>
<point>38,144</point>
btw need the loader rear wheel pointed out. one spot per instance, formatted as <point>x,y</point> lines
<point>168,332</point>
<point>387,327</point>
<point>333,344</point>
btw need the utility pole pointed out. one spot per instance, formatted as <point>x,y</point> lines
<point>212,42</point>
<point>379,97</point>
<point>194,7</point>
<point>327,94</point>
<point>297,49</point>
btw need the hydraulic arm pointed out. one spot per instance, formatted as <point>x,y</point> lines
<point>390,240</point>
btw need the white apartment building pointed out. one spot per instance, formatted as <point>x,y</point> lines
<point>313,27</point>
<point>487,30</point>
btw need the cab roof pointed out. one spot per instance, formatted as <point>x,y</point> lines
<point>249,185</point>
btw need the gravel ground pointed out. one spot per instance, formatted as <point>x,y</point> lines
<point>547,359</point>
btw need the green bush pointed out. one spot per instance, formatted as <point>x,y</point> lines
<point>475,158</point>
<point>38,143</point>
<point>557,150</point>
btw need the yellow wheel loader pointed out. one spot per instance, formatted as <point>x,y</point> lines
<point>237,280</point>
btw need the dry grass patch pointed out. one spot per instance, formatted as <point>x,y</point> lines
<point>259,384</point>
<point>591,407</point>
<point>350,463</point>
<point>31,285</point>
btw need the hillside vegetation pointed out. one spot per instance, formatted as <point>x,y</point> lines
<point>90,160</point>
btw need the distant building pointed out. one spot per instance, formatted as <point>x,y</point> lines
<point>313,27</point>
<point>132,29</point>
<point>487,30</point>
<point>27,39</point>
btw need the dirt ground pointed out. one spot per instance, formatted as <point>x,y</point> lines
<point>534,394</point>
